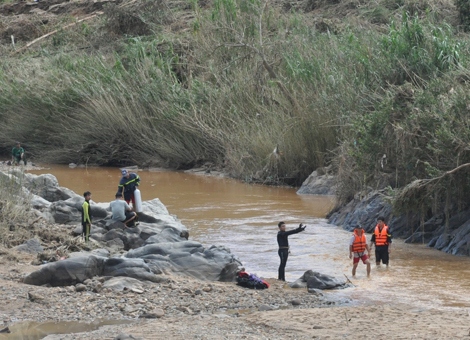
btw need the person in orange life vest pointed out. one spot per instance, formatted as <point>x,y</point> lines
<point>357,249</point>
<point>382,238</point>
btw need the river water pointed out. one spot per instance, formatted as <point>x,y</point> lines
<point>244,218</point>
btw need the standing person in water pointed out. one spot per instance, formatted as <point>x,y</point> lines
<point>283,243</point>
<point>86,216</point>
<point>127,185</point>
<point>357,249</point>
<point>382,238</point>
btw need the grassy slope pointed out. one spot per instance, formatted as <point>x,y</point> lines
<point>267,90</point>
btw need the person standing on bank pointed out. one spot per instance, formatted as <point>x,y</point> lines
<point>357,249</point>
<point>121,211</point>
<point>283,243</point>
<point>127,185</point>
<point>86,216</point>
<point>382,238</point>
<point>17,154</point>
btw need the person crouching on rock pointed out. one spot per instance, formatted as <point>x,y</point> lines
<point>122,212</point>
<point>283,243</point>
<point>358,246</point>
<point>17,154</point>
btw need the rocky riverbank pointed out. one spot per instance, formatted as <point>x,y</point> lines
<point>185,308</point>
<point>453,238</point>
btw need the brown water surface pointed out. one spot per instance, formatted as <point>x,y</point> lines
<point>244,218</point>
<point>31,330</point>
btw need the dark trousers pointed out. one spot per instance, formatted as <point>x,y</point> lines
<point>283,255</point>
<point>381,254</point>
<point>18,159</point>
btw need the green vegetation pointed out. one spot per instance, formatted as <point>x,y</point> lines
<point>15,212</point>
<point>269,92</point>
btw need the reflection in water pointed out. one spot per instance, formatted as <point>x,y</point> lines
<point>244,218</point>
<point>30,330</point>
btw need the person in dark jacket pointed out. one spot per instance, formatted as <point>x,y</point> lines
<point>86,216</point>
<point>283,243</point>
<point>127,185</point>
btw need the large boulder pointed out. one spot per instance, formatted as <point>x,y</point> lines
<point>64,213</point>
<point>190,258</point>
<point>47,187</point>
<point>318,183</point>
<point>314,280</point>
<point>67,272</point>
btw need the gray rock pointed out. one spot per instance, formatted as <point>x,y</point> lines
<point>135,268</point>
<point>80,287</point>
<point>67,272</point>
<point>32,246</point>
<point>64,213</point>
<point>296,302</point>
<point>39,203</point>
<point>154,314</point>
<point>318,183</point>
<point>190,258</point>
<point>264,308</point>
<point>168,234</point>
<point>315,280</point>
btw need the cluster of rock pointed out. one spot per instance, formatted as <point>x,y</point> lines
<point>159,244</point>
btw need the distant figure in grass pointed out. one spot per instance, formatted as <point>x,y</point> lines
<point>357,249</point>
<point>127,185</point>
<point>283,243</point>
<point>86,216</point>
<point>382,238</point>
<point>17,154</point>
<point>122,211</point>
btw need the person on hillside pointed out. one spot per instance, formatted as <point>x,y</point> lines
<point>382,238</point>
<point>283,243</point>
<point>127,185</point>
<point>122,211</point>
<point>86,216</point>
<point>17,154</point>
<point>357,249</point>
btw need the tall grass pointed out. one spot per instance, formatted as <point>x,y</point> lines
<point>15,210</point>
<point>267,96</point>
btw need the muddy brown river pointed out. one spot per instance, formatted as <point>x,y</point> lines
<point>244,218</point>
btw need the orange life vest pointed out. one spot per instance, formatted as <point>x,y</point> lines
<point>359,244</point>
<point>381,235</point>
